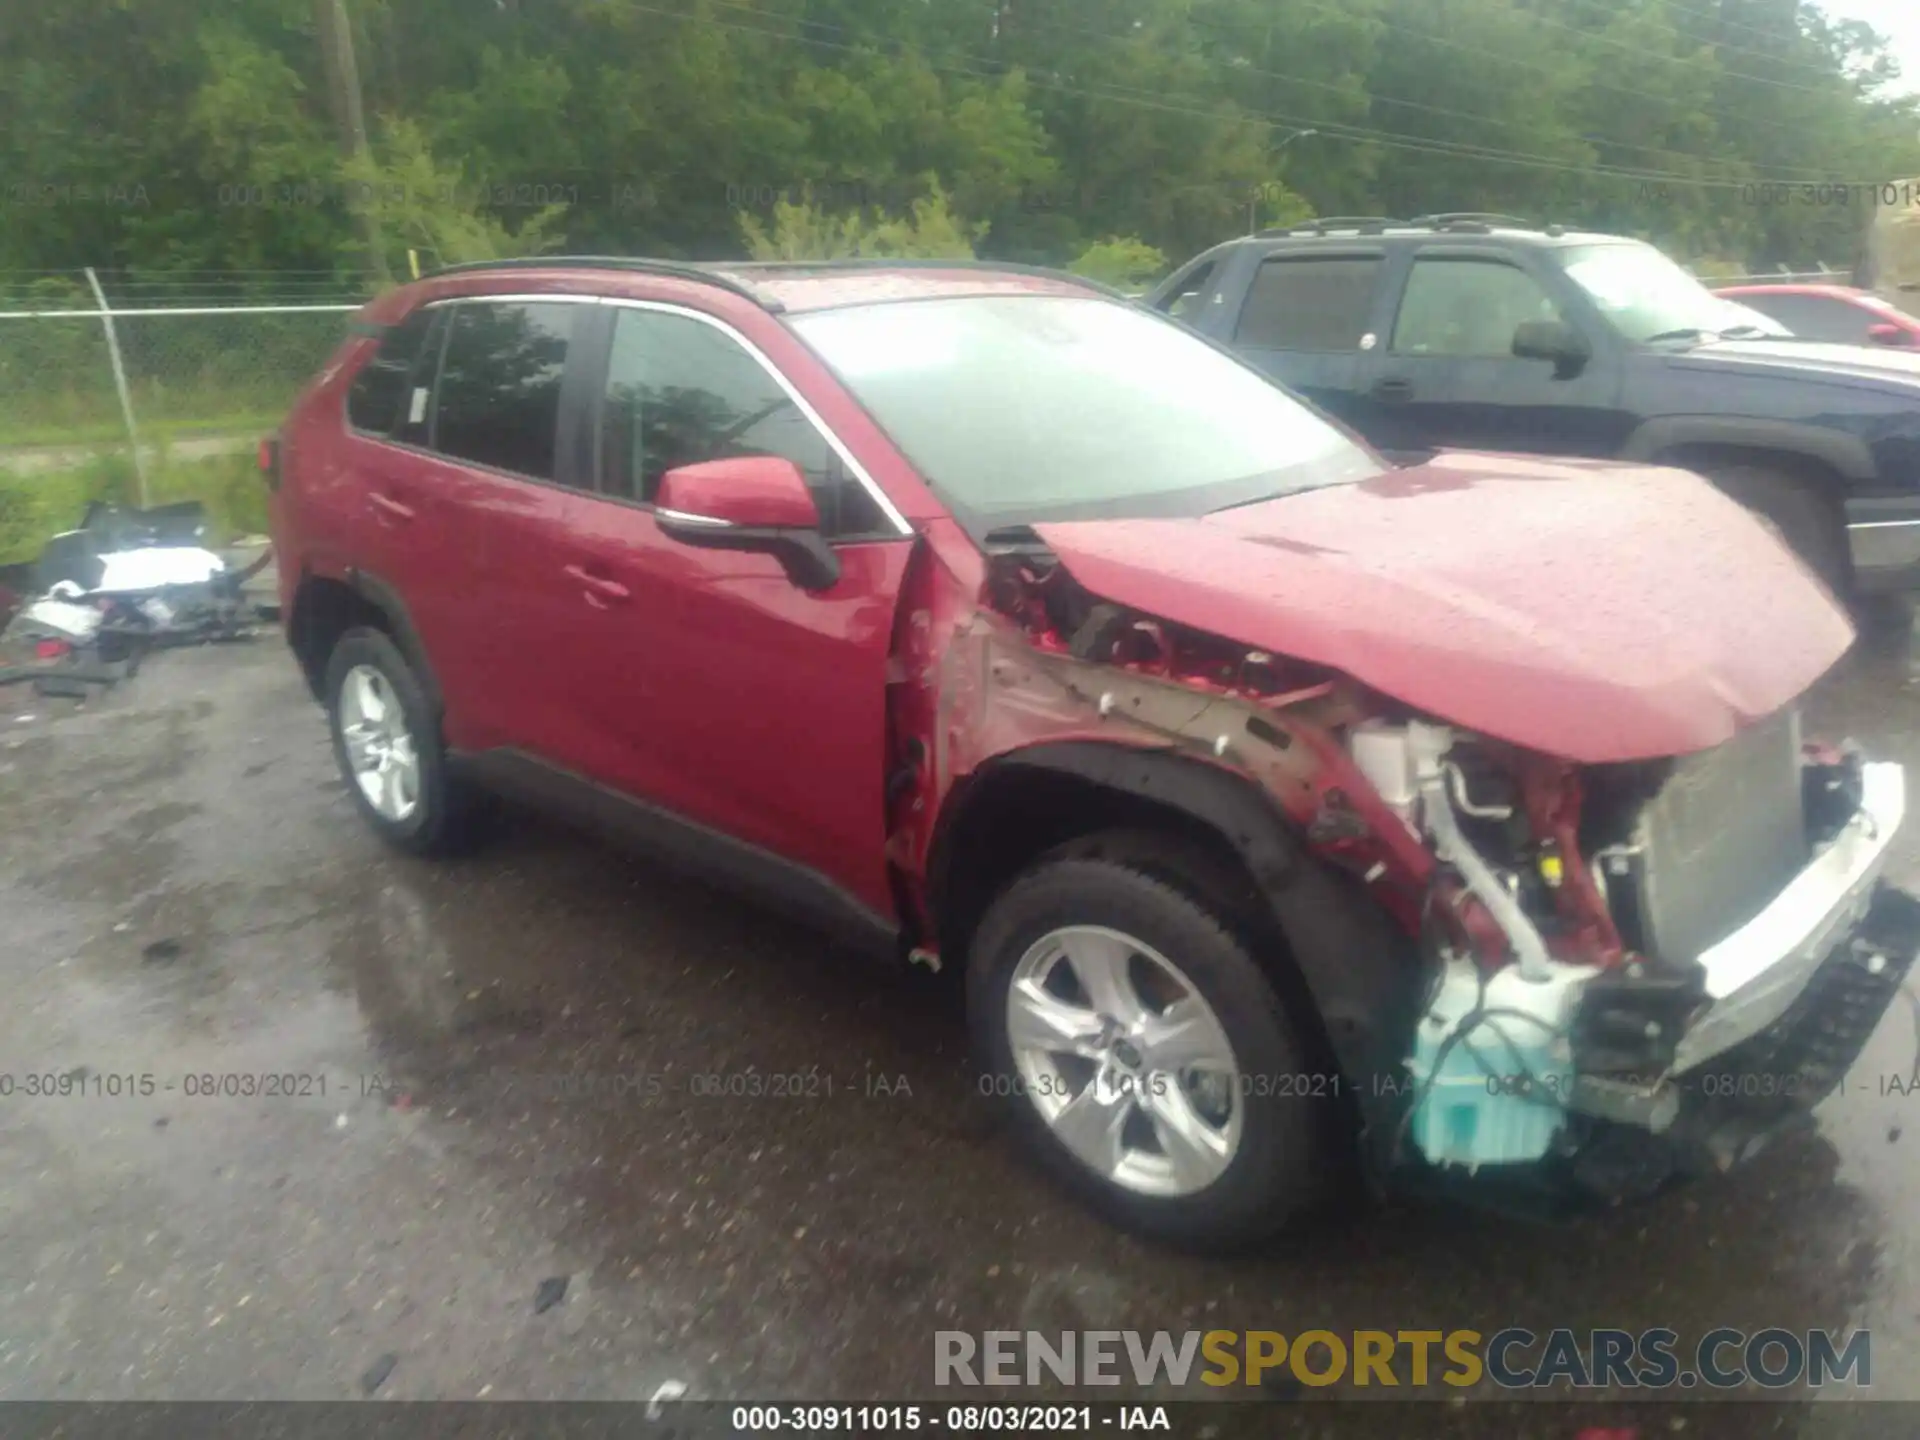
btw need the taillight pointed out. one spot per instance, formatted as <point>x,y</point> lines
<point>270,461</point>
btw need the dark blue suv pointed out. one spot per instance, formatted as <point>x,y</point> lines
<point>1482,332</point>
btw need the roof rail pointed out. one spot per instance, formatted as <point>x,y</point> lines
<point>1474,217</point>
<point>678,269</point>
<point>863,262</point>
<point>1363,223</point>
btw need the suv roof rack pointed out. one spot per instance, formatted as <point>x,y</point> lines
<point>866,262</point>
<point>1364,224</point>
<point>724,272</point>
<point>678,269</point>
<point>1463,219</point>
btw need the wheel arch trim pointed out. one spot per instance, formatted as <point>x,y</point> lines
<point>1847,455</point>
<point>1359,968</point>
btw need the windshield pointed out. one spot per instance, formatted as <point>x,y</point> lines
<point>1019,409</point>
<point>1645,296</point>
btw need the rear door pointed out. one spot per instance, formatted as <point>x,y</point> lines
<point>491,486</point>
<point>1307,319</point>
<point>1447,375</point>
<point>706,681</point>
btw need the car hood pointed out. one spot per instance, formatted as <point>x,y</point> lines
<point>1875,364</point>
<point>1594,611</point>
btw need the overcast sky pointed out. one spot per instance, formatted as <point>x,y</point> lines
<point>1897,19</point>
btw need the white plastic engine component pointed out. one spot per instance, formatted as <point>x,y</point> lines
<point>1380,753</point>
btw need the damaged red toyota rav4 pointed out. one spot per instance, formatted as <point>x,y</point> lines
<point>1289,812</point>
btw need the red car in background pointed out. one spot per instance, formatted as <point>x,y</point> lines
<point>1836,314</point>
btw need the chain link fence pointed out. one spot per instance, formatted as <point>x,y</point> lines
<point>187,370</point>
<point>208,364</point>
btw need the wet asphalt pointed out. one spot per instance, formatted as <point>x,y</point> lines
<point>500,1072</point>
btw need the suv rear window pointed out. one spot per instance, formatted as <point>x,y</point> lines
<point>1815,317</point>
<point>380,389</point>
<point>498,401</point>
<point>1321,303</point>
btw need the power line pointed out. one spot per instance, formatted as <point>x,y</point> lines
<point>1677,60</point>
<point>1786,173</point>
<point>1599,84</point>
<point>1801,9</point>
<point>1271,120</point>
<point>1792,63</point>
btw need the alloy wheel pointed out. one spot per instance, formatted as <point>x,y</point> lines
<point>380,749</point>
<point>1125,1061</point>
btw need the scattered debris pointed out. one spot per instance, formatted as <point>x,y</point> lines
<point>378,1372</point>
<point>1893,1135</point>
<point>125,582</point>
<point>669,1390</point>
<point>551,1292</point>
<point>161,952</point>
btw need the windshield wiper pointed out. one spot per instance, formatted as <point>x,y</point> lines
<point>1747,332</point>
<point>1688,334</point>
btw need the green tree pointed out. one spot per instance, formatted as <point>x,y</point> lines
<point>1125,261</point>
<point>804,231</point>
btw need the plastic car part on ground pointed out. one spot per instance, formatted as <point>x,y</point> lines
<point>122,583</point>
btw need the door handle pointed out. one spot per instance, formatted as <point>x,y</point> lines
<point>600,590</point>
<point>1393,390</point>
<point>389,506</point>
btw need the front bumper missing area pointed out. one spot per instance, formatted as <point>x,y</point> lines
<point>1754,975</point>
<point>1727,1111</point>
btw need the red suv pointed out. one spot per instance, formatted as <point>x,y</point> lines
<point>1292,815</point>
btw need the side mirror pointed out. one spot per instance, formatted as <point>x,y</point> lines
<point>1886,334</point>
<point>752,502</point>
<point>1553,340</point>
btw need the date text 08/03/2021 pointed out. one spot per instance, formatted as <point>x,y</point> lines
<point>888,1419</point>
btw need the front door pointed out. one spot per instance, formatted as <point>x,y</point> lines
<point>706,681</point>
<point>1447,376</point>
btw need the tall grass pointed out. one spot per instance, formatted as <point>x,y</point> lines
<point>37,505</point>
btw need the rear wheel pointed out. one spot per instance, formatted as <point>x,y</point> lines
<point>1798,508</point>
<point>386,741</point>
<point>1145,1056</point>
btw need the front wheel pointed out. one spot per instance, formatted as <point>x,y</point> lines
<point>1807,519</point>
<point>1145,1056</point>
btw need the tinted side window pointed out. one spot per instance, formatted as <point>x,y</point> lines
<point>1311,304</point>
<point>498,401</point>
<point>379,391</point>
<point>1467,308</point>
<point>1811,317</point>
<point>680,392</point>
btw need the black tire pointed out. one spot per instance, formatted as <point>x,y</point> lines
<point>447,816</point>
<point>1283,1166</point>
<point>1801,510</point>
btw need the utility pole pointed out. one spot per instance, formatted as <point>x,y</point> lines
<point>343,97</point>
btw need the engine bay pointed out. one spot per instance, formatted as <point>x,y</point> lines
<point>1560,910</point>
